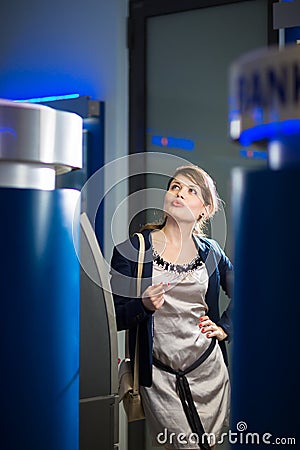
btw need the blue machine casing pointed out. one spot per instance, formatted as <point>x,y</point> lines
<point>39,321</point>
<point>267,308</point>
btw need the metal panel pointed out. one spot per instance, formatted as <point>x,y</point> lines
<point>98,348</point>
<point>96,417</point>
<point>39,134</point>
<point>286,14</point>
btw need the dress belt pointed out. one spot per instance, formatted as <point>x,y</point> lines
<point>185,395</point>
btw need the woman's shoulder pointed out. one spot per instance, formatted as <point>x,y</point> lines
<point>133,240</point>
<point>212,253</point>
<point>128,248</point>
<point>207,244</point>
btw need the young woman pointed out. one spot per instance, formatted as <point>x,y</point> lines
<point>183,375</point>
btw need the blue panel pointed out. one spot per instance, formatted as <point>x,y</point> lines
<point>265,380</point>
<point>292,35</point>
<point>173,142</point>
<point>253,154</point>
<point>270,131</point>
<point>39,321</point>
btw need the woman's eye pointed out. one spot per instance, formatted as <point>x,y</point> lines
<point>174,186</point>
<point>193,191</point>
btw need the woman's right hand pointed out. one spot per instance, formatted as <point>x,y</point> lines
<point>153,297</point>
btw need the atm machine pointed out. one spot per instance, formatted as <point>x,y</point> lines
<point>39,320</point>
<point>265,110</point>
<point>51,270</point>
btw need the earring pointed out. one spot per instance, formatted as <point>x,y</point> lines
<point>201,216</point>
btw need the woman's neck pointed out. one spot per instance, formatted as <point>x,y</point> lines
<point>175,243</point>
<point>175,234</point>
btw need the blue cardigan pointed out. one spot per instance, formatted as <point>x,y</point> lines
<point>130,310</point>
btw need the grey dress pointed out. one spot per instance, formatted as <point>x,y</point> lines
<point>178,342</point>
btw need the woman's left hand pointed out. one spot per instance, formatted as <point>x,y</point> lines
<point>212,330</point>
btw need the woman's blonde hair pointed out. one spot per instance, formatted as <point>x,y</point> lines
<point>209,194</point>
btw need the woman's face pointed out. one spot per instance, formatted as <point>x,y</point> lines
<point>183,200</point>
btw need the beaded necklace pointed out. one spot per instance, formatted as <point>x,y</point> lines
<point>178,268</point>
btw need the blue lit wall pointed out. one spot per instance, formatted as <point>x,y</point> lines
<point>58,47</point>
<point>64,47</point>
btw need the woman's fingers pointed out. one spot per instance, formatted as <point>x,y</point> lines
<point>205,322</point>
<point>211,329</point>
<point>153,297</point>
<point>156,289</point>
<point>158,302</point>
<point>219,333</point>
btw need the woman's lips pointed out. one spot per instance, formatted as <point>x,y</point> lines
<point>177,203</point>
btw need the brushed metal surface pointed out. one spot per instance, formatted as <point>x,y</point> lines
<point>40,135</point>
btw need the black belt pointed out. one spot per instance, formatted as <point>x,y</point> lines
<point>185,395</point>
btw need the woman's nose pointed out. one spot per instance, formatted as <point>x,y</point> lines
<point>180,193</point>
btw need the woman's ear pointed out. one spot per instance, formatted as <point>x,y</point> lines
<point>208,210</point>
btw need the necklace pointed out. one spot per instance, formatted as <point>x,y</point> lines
<point>178,268</point>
